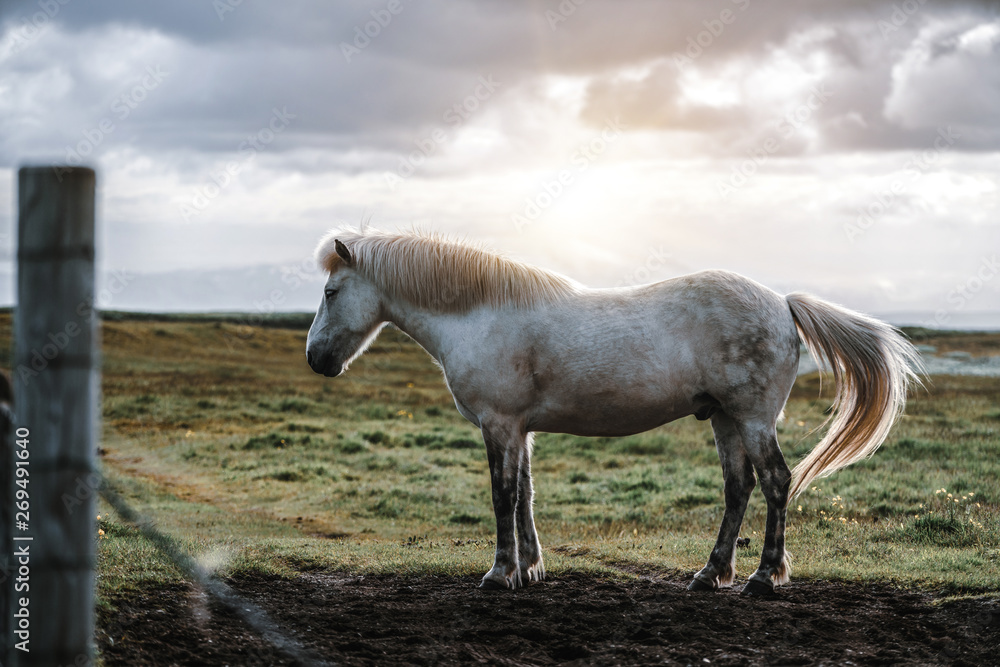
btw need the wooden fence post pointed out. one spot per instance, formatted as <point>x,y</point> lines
<point>56,384</point>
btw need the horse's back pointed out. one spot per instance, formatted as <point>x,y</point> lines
<point>626,360</point>
<point>721,314</point>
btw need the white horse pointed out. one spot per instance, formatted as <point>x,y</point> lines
<point>526,350</point>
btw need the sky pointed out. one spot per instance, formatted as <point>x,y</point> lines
<point>846,148</point>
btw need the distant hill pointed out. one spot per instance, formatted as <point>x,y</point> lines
<point>290,288</point>
<point>258,289</point>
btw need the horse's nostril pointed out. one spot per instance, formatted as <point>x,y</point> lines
<point>309,358</point>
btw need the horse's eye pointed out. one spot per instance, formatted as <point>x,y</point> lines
<point>330,293</point>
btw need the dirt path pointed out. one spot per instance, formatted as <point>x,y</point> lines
<point>571,619</point>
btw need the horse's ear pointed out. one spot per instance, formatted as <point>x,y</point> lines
<point>344,253</point>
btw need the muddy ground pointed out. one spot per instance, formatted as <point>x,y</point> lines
<point>570,619</point>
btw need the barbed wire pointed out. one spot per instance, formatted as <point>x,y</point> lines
<point>247,611</point>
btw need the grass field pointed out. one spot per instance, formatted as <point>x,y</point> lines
<point>222,435</point>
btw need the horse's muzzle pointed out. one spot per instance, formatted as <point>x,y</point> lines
<point>324,364</point>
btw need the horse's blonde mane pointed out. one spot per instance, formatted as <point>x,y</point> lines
<point>442,274</point>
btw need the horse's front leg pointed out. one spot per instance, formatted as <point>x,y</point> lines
<point>505,449</point>
<point>529,550</point>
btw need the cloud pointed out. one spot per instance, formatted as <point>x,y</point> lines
<point>227,72</point>
<point>656,100</point>
<point>950,75</point>
<point>814,107</point>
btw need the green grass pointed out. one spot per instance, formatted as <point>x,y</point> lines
<point>222,435</point>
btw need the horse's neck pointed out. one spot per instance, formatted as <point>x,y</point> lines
<point>429,329</point>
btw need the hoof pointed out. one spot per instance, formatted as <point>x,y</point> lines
<point>490,585</point>
<point>700,586</point>
<point>533,574</point>
<point>494,581</point>
<point>758,589</point>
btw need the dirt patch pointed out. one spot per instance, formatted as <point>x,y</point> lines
<point>175,625</point>
<point>571,619</point>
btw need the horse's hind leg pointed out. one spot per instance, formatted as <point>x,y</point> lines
<point>528,548</point>
<point>505,449</point>
<point>737,472</point>
<point>761,444</point>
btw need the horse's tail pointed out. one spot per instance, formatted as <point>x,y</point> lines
<point>873,367</point>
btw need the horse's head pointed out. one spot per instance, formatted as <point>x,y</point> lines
<point>348,318</point>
